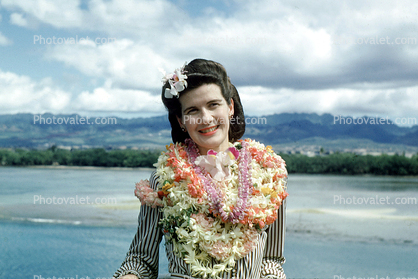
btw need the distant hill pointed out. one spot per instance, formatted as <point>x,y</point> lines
<point>19,130</point>
<point>282,128</point>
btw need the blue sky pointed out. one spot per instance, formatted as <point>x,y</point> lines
<point>351,58</point>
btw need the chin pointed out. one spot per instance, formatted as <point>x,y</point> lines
<point>210,143</point>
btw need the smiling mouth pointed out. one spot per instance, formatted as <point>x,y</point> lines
<point>208,130</point>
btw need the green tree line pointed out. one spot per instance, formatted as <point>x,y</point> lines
<point>348,163</point>
<point>338,163</point>
<point>88,157</point>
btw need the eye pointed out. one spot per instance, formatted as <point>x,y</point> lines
<point>214,104</point>
<point>190,111</point>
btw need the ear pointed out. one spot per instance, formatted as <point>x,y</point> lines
<point>179,120</point>
<point>231,107</point>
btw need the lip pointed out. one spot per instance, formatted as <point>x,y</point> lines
<point>202,131</point>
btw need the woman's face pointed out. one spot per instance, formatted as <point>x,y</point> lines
<point>206,115</point>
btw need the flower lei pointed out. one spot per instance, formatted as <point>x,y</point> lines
<point>208,219</point>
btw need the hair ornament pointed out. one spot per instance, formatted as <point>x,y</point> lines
<point>177,81</point>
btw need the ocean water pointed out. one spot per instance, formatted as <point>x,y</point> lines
<point>337,226</point>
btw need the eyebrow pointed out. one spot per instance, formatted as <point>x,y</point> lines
<point>211,101</point>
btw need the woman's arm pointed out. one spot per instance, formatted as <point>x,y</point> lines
<point>142,257</point>
<point>273,252</point>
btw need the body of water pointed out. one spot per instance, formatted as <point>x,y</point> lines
<point>79,222</point>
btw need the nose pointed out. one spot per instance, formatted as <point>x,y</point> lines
<point>207,117</point>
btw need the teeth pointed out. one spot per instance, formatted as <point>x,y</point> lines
<point>210,130</point>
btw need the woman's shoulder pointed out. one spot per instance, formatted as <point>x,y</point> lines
<point>264,153</point>
<point>170,148</point>
<point>153,180</point>
<point>256,144</point>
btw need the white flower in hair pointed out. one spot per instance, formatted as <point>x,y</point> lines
<point>177,81</point>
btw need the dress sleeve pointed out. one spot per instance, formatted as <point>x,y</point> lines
<point>142,257</point>
<point>273,253</point>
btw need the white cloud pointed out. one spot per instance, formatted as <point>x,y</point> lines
<point>4,41</point>
<point>134,18</point>
<point>123,63</point>
<point>228,41</point>
<point>22,94</point>
<point>287,50</point>
<point>18,19</point>
<point>401,102</point>
<point>105,99</point>
<point>58,13</point>
<point>285,44</point>
<point>112,17</point>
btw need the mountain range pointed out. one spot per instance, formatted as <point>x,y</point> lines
<point>25,130</point>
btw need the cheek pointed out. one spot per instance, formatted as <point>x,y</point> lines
<point>224,115</point>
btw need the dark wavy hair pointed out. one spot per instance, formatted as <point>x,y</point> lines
<point>200,72</point>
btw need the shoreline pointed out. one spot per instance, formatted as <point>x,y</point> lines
<point>78,167</point>
<point>151,169</point>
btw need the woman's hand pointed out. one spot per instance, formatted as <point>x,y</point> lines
<point>129,276</point>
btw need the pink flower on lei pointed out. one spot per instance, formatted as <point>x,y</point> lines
<point>217,164</point>
<point>146,195</point>
<point>220,250</point>
<point>203,220</point>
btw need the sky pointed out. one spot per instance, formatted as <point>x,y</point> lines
<point>102,57</point>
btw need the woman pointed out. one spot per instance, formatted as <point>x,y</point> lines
<point>215,198</point>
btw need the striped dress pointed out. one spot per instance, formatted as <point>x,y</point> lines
<point>265,261</point>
